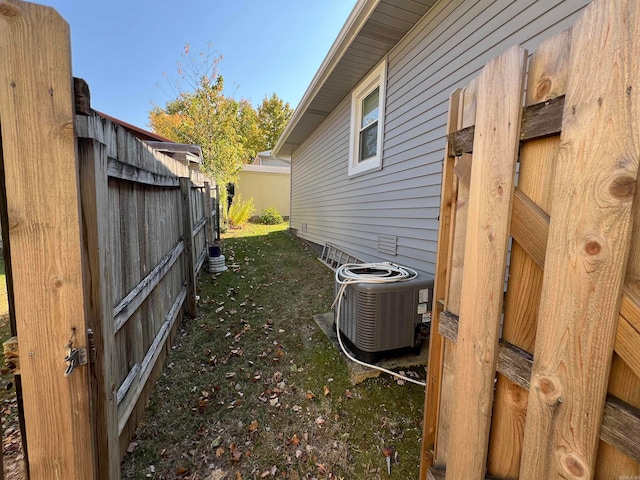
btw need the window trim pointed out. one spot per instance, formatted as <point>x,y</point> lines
<point>377,78</point>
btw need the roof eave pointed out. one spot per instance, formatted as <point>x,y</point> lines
<point>358,17</point>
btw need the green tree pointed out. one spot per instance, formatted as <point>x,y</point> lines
<point>249,130</point>
<point>273,116</point>
<point>202,115</point>
<point>230,132</point>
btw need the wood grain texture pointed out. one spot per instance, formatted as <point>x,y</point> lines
<point>539,120</point>
<point>436,342</point>
<point>187,238</point>
<point>453,287</point>
<point>130,427</point>
<point>611,462</point>
<point>529,222</point>
<point>624,376</point>
<point>95,217</point>
<point>82,97</point>
<point>621,419</point>
<point>496,143</point>
<point>588,245</point>
<point>529,226</point>
<point>131,173</point>
<point>36,97</point>
<point>138,384</point>
<point>209,211</point>
<point>627,344</point>
<point>136,297</point>
<point>530,230</point>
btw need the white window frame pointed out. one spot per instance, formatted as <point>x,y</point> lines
<point>376,78</point>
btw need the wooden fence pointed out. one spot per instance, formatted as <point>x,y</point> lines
<point>106,236</point>
<point>548,386</point>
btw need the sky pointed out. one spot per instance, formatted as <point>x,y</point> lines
<point>128,51</point>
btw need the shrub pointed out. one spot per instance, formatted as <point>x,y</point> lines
<point>271,216</point>
<point>240,212</point>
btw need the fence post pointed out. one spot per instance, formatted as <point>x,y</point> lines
<point>208,207</point>
<point>187,238</point>
<point>218,214</point>
<point>41,176</point>
<point>95,217</point>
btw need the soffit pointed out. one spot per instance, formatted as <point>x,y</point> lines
<point>352,56</point>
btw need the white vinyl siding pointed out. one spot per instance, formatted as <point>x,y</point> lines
<point>445,50</point>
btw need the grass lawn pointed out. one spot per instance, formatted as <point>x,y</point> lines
<point>253,389</point>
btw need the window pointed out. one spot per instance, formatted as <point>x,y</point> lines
<point>367,122</point>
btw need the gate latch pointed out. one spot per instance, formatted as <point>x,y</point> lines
<point>75,357</point>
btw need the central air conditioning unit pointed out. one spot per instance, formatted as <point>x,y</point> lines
<point>383,320</point>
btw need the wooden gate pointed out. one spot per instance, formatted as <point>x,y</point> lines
<point>542,381</point>
<point>106,236</point>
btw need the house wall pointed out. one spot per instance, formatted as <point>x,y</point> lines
<point>267,190</point>
<point>445,50</point>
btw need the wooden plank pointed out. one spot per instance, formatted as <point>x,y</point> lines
<point>187,238</point>
<point>539,120</point>
<point>513,362</point>
<point>624,376</point>
<point>199,226</point>
<point>530,229</point>
<point>627,344</point>
<point>128,381</point>
<point>620,427</point>
<point>448,326</point>
<point>134,342</point>
<point>133,393</point>
<point>218,209</point>
<point>436,343</point>
<point>542,119</point>
<point>203,256</point>
<point>621,420</point>
<point>588,244</point>
<point>500,90</point>
<point>547,75</point>
<point>95,217</point>
<point>37,111</point>
<point>630,304</point>
<point>453,288</point>
<point>82,97</point>
<point>440,474</point>
<point>115,265</point>
<point>209,212</point>
<point>130,303</point>
<point>611,462</point>
<point>131,173</point>
<point>197,178</point>
<point>529,222</point>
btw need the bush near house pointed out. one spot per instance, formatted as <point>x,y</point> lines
<point>271,216</point>
<point>240,212</point>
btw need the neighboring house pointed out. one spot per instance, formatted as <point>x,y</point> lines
<point>267,158</point>
<point>367,139</point>
<point>190,155</point>
<point>269,186</point>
